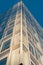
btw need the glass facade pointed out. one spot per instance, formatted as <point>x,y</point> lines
<point>31,49</point>
<point>6,45</point>
<point>9,31</point>
<point>3,61</point>
<point>35,52</point>
<point>32,63</point>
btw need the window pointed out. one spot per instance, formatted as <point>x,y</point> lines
<point>3,61</point>
<point>31,49</point>
<point>6,45</point>
<point>36,54</point>
<point>11,23</point>
<point>23,23</point>
<point>32,63</point>
<point>9,31</point>
<point>24,33</point>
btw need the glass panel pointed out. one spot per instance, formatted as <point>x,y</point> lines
<point>3,61</point>
<point>11,23</point>
<point>24,33</point>
<point>9,31</point>
<point>31,49</point>
<point>32,63</point>
<point>36,54</point>
<point>6,45</point>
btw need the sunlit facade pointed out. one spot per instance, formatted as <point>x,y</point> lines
<point>21,42</point>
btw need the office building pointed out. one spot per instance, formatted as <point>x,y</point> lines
<point>21,42</point>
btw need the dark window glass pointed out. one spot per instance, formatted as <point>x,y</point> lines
<point>12,23</point>
<point>23,23</point>
<point>24,33</point>
<point>6,45</point>
<point>3,61</point>
<point>9,31</point>
<point>36,54</point>
<point>31,49</point>
<point>32,63</point>
<point>29,35</point>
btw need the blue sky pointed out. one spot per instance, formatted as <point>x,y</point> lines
<point>35,6</point>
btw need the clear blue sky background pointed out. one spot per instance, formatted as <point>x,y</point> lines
<point>35,6</point>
